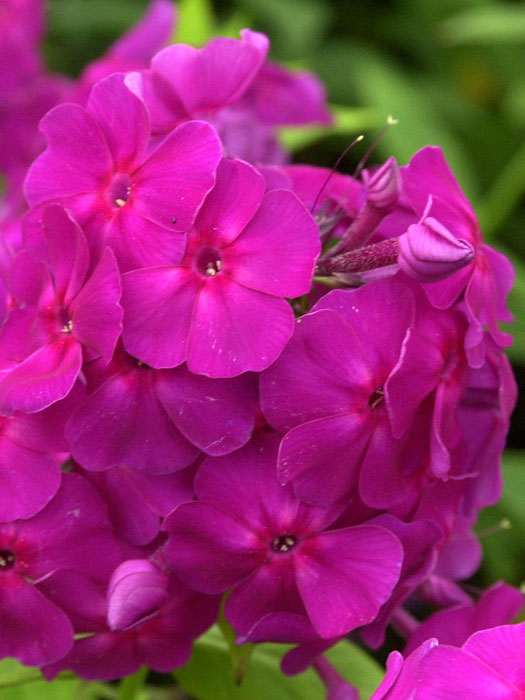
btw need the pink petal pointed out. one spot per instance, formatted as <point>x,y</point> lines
<point>277,251</point>
<point>321,372</point>
<point>28,480</point>
<point>76,160</point>
<point>382,481</point>
<point>215,76</point>
<point>234,200</point>
<point>323,457</point>
<point>345,576</point>
<point>429,173</point>
<point>270,589</point>
<point>503,649</point>
<point>378,310</point>
<point>235,330</point>
<point>415,376</point>
<point>44,377</point>
<point>447,672</point>
<point>96,312</point>
<point>216,415</point>
<point>138,242</point>
<point>72,532</point>
<point>170,185</point>
<point>123,423</point>
<point>122,117</point>
<point>158,306</point>
<point>33,629</point>
<point>282,96</point>
<point>210,550</point>
<point>68,252</point>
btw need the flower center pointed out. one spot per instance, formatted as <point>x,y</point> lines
<point>119,189</point>
<point>208,262</point>
<point>377,398</point>
<point>66,324</point>
<point>284,543</point>
<point>7,559</point>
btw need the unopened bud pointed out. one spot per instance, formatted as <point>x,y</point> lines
<point>429,252</point>
<point>136,591</point>
<point>383,186</point>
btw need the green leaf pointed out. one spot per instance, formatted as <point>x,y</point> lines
<point>504,551</point>
<point>208,676</point>
<point>496,23</point>
<point>13,673</point>
<point>196,22</point>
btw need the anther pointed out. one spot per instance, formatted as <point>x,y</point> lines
<point>284,543</point>
<point>68,327</point>
<point>7,559</point>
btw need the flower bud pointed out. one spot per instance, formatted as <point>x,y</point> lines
<point>429,252</point>
<point>383,186</point>
<point>136,591</point>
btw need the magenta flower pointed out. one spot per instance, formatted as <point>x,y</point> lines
<point>246,252</point>
<point>146,618</point>
<point>248,533</point>
<point>159,421</point>
<point>62,311</point>
<point>485,283</point>
<point>326,391</point>
<point>98,166</point>
<point>71,533</point>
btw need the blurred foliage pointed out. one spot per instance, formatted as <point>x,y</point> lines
<point>263,679</point>
<point>501,527</point>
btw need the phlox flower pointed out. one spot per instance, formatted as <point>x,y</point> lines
<point>222,310</point>
<point>248,533</point>
<point>63,312</point>
<point>98,165</point>
<point>484,284</point>
<point>326,391</point>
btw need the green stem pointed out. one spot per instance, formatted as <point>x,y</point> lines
<point>130,686</point>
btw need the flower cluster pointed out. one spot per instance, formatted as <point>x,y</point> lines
<point>189,409</point>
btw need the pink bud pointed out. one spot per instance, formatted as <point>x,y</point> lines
<point>383,186</point>
<point>136,591</point>
<point>429,252</point>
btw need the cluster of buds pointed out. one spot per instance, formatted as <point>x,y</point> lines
<point>190,411</point>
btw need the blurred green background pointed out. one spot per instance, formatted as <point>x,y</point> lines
<point>452,72</point>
